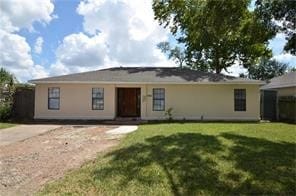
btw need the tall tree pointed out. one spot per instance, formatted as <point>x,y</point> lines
<point>7,87</point>
<point>216,34</point>
<point>280,16</point>
<point>292,69</point>
<point>7,79</point>
<point>267,69</point>
<point>176,53</point>
<point>7,84</point>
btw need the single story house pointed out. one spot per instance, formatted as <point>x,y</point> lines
<point>147,93</point>
<point>278,95</point>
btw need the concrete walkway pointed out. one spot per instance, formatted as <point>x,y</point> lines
<point>21,132</point>
<point>124,129</point>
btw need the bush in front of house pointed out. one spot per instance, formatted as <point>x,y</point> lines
<point>7,89</point>
<point>5,111</point>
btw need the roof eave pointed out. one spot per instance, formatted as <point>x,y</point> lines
<point>120,82</point>
<point>277,87</point>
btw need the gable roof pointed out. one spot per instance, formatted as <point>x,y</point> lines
<point>164,75</point>
<point>287,80</point>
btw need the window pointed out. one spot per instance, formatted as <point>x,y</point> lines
<point>239,99</point>
<point>53,98</point>
<point>158,99</point>
<point>98,99</point>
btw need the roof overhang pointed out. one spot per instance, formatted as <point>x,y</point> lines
<point>142,83</point>
<point>277,87</point>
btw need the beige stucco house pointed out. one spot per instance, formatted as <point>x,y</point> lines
<point>147,93</point>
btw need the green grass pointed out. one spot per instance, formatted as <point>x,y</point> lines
<point>6,125</point>
<point>191,159</point>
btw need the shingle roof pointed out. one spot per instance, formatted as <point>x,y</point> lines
<point>287,80</point>
<point>145,75</point>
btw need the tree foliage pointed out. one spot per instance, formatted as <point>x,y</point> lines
<point>7,88</point>
<point>267,69</point>
<point>280,15</point>
<point>6,78</point>
<point>292,69</point>
<point>216,34</point>
<point>175,53</point>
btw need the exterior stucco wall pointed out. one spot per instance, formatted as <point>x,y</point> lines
<point>75,102</point>
<point>289,91</point>
<point>210,102</point>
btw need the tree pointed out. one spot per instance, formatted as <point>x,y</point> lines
<point>7,87</point>
<point>292,69</point>
<point>267,69</point>
<point>176,53</point>
<point>6,78</point>
<point>216,34</point>
<point>280,16</point>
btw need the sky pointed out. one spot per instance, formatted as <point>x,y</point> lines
<point>41,38</point>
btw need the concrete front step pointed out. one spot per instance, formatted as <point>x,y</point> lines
<point>126,121</point>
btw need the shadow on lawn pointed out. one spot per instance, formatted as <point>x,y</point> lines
<point>185,162</point>
<point>272,165</point>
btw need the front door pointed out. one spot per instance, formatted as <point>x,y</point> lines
<point>128,102</point>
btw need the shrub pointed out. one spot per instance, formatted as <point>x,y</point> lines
<point>5,111</point>
<point>169,114</point>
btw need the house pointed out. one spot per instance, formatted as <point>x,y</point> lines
<point>147,93</point>
<point>278,98</point>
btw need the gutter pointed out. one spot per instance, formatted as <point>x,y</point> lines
<point>277,87</point>
<point>116,82</point>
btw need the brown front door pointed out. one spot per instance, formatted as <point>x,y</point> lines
<point>128,102</point>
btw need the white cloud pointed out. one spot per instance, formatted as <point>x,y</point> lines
<point>15,53</point>
<point>17,14</point>
<point>117,33</point>
<point>78,53</point>
<point>286,58</point>
<point>128,28</point>
<point>38,71</point>
<point>58,69</point>
<point>235,70</point>
<point>82,50</point>
<point>277,45</point>
<point>16,57</point>
<point>38,45</point>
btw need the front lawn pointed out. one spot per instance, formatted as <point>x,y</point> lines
<point>5,125</point>
<point>192,159</point>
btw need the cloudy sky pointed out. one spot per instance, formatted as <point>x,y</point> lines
<point>40,38</point>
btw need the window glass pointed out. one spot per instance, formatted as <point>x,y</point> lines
<point>158,99</point>
<point>53,98</point>
<point>239,99</point>
<point>98,99</point>
<point>98,93</point>
<point>54,103</point>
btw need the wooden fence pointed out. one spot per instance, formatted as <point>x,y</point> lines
<point>23,103</point>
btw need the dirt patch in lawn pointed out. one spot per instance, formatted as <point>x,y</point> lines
<point>25,166</point>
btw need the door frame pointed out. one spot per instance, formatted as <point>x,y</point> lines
<point>138,102</point>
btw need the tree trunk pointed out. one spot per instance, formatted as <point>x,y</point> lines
<point>218,69</point>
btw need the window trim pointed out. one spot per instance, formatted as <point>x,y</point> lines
<point>49,98</point>
<point>154,99</point>
<point>96,98</point>
<point>240,99</point>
